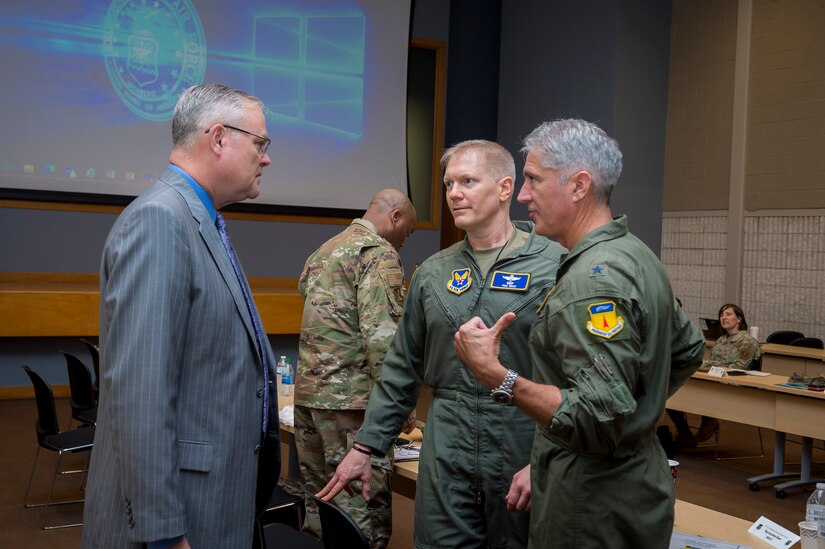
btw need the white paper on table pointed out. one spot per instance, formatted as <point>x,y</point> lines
<point>685,541</point>
<point>406,453</point>
<point>716,371</point>
<point>768,530</point>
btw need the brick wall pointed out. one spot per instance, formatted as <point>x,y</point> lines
<point>782,281</point>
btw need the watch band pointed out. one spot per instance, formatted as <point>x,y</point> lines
<point>503,394</point>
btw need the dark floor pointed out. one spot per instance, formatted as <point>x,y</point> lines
<point>719,485</point>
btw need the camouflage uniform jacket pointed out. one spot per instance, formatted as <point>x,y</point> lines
<point>353,290</point>
<point>735,351</point>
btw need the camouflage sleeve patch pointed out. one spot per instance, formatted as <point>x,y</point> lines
<point>394,283</point>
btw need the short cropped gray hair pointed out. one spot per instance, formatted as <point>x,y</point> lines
<point>201,106</point>
<point>499,160</point>
<point>570,145</point>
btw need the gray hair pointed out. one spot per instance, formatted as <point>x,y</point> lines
<point>567,146</point>
<point>498,159</point>
<point>201,106</point>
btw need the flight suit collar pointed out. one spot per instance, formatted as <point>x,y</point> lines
<point>609,231</point>
<point>533,244</point>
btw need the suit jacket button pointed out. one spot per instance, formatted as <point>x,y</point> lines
<point>257,448</point>
<point>260,393</point>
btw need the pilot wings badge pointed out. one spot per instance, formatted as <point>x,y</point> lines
<point>460,281</point>
<point>603,319</point>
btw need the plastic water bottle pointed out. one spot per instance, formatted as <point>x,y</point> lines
<point>815,510</point>
<point>287,379</point>
<point>279,372</point>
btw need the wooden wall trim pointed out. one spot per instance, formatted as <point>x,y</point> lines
<point>21,393</point>
<point>66,304</point>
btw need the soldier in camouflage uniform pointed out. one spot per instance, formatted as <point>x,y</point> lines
<point>736,348</point>
<point>353,287</point>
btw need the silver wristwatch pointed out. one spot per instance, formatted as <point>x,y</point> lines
<point>503,394</point>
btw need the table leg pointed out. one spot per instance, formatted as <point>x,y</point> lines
<point>805,475</point>
<point>778,464</point>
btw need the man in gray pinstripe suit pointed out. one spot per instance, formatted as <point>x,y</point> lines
<point>180,449</point>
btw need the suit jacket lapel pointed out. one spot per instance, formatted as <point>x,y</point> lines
<point>213,242</point>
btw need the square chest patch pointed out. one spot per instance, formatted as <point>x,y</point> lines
<point>515,282</point>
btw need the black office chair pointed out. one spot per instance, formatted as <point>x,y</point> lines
<point>810,342</point>
<point>339,529</point>
<point>50,438</point>
<point>281,536</point>
<point>94,352</point>
<point>81,389</point>
<point>283,508</point>
<point>783,337</point>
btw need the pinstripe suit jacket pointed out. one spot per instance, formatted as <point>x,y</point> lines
<point>179,418</point>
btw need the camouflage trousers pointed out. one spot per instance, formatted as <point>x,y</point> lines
<point>323,438</point>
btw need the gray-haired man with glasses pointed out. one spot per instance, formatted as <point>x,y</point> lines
<point>187,442</point>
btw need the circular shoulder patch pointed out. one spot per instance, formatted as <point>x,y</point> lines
<point>153,51</point>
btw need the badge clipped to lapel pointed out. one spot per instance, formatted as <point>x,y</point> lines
<point>460,281</point>
<point>604,322</point>
<point>515,282</point>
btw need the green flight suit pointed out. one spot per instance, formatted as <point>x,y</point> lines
<point>612,338</point>
<point>472,446</point>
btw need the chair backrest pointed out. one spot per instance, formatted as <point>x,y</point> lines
<point>80,384</point>
<point>756,364</point>
<point>339,529</point>
<point>46,411</point>
<point>812,342</point>
<point>783,337</point>
<point>94,352</point>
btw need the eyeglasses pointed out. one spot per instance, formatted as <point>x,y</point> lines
<point>262,146</point>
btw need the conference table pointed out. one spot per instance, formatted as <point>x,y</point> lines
<point>690,519</point>
<point>762,402</point>
<point>787,359</point>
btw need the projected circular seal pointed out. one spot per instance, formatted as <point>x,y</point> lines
<point>153,50</point>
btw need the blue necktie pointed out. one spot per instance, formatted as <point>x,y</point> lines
<point>233,258</point>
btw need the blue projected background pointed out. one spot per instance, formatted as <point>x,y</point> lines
<point>91,85</point>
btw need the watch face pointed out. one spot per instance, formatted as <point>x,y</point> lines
<point>502,397</point>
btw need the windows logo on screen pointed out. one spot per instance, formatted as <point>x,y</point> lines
<point>310,69</point>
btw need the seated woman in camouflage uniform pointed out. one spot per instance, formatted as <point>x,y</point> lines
<point>736,348</point>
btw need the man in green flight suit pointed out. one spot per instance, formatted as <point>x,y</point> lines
<point>610,345</point>
<point>473,482</point>
<point>353,290</point>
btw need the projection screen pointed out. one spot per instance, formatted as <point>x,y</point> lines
<point>89,89</point>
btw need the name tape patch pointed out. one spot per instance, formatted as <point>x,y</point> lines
<point>514,282</point>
